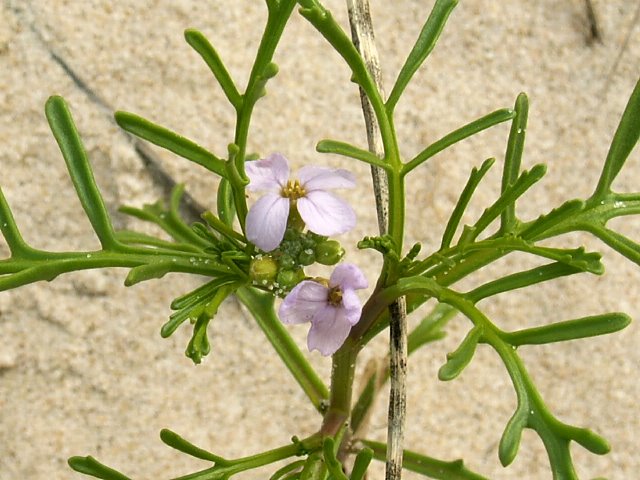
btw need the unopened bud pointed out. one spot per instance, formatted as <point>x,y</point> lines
<point>329,252</point>
<point>287,279</point>
<point>263,270</point>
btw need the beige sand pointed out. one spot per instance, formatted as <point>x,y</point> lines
<point>83,369</point>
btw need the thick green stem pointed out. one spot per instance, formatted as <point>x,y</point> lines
<point>342,376</point>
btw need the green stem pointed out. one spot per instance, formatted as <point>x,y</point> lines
<point>261,307</point>
<point>341,390</point>
<point>276,21</point>
<point>297,448</point>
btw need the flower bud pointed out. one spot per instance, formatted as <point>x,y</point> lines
<point>287,279</point>
<point>263,270</point>
<point>286,261</point>
<point>307,257</point>
<point>329,252</point>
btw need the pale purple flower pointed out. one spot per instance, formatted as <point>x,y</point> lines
<point>331,308</point>
<point>322,212</point>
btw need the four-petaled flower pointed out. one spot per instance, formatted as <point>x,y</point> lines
<point>322,212</point>
<point>332,308</point>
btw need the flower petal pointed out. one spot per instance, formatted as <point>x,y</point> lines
<point>326,214</point>
<point>267,221</point>
<point>303,302</point>
<point>269,173</point>
<point>318,178</point>
<point>348,277</point>
<point>329,330</point>
<point>351,306</point>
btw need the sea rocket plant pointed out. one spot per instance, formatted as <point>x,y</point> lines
<point>291,224</point>
<point>332,307</point>
<point>322,212</point>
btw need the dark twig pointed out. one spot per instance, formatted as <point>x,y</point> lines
<point>595,34</point>
<point>364,39</point>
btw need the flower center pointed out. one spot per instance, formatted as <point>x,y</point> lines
<point>293,190</point>
<point>334,297</point>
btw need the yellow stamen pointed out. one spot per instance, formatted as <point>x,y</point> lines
<point>335,296</point>
<point>293,190</point>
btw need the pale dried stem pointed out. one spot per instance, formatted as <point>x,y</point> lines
<point>364,39</point>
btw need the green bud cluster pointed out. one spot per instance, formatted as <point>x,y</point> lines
<point>283,268</point>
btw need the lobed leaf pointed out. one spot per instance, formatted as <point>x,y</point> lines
<point>150,271</point>
<point>521,280</point>
<point>624,140</point>
<point>468,191</point>
<point>570,330</point>
<point>361,464</point>
<point>175,441</point>
<point>540,225</point>
<point>508,197</point>
<point>424,45</point>
<point>513,158</point>
<point>225,204</point>
<point>285,472</point>
<point>90,466</point>
<point>460,358</point>
<point>458,135</point>
<point>512,434</point>
<point>348,150</point>
<point>620,243</point>
<point>75,156</point>
<point>171,141</point>
<point>209,54</point>
<point>333,464</point>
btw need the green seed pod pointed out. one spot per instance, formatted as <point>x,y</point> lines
<point>329,252</point>
<point>307,257</point>
<point>263,270</point>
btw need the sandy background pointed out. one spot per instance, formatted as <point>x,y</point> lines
<point>83,369</point>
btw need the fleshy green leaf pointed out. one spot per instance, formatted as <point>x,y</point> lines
<point>361,464</point>
<point>621,244</point>
<point>175,441</point>
<point>173,142</point>
<point>460,358</point>
<point>624,140</point>
<point>507,198</point>
<point>285,472</point>
<point>458,135</point>
<point>9,229</point>
<point>587,439</point>
<point>424,45</point>
<point>225,205</point>
<point>348,150</point>
<point>510,441</point>
<point>330,460</point>
<point>513,158</point>
<point>555,216</point>
<point>571,329</point>
<point>150,271</point>
<point>521,280</point>
<point>209,54</point>
<point>91,466</point>
<point>468,191</point>
<point>199,345</point>
<point>66,134</point>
